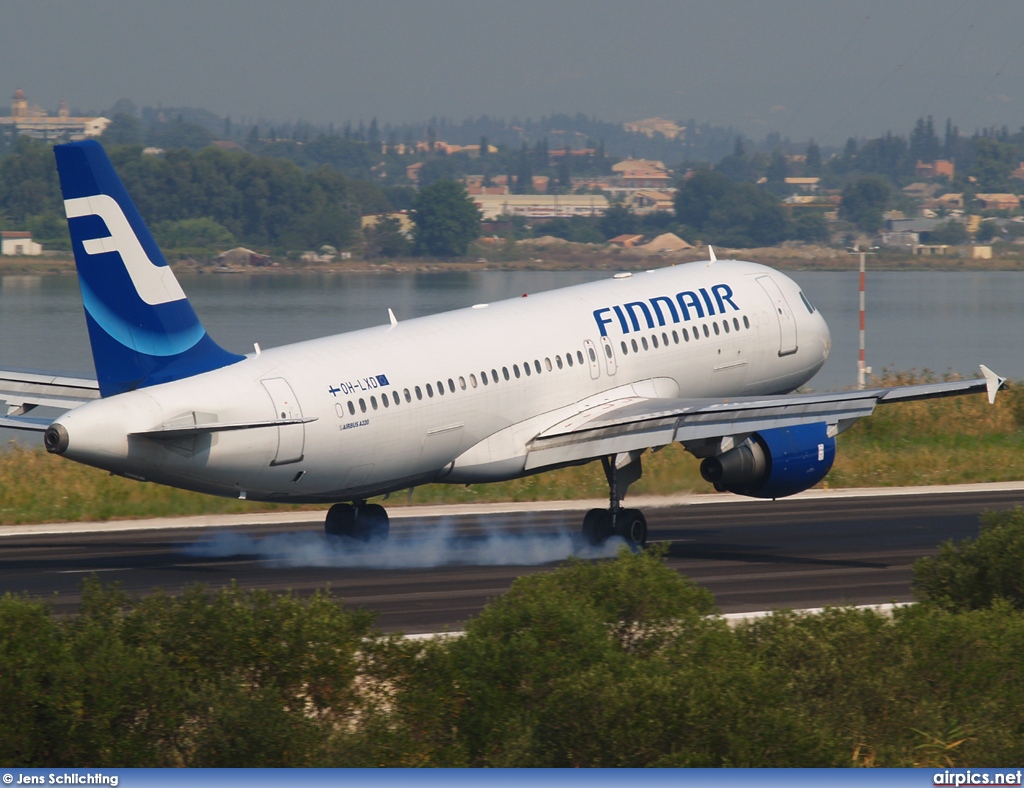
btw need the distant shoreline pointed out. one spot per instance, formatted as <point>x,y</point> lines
<point>557,258</point>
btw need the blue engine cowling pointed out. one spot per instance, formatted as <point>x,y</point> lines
<point>773,463</point>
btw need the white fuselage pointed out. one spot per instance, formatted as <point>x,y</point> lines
<point>448,397</point>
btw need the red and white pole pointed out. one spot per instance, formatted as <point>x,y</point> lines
<point>861,369</point>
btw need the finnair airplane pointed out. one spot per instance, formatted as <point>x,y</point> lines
<point>706,354</point>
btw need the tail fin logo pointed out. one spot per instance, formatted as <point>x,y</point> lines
<point>155,284</point>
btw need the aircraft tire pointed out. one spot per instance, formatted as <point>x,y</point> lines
<point>372,523</point>
<point>340,520</point>
<point>597,526</point>
<point>631,525</point>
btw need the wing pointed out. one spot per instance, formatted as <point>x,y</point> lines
<point>713,425</point>
<point>23,392</point>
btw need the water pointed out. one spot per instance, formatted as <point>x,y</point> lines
<point>938,321</point>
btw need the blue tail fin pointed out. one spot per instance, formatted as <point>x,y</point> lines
<point>141,326</point>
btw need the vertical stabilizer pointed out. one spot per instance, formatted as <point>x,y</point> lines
<point>142,328</point>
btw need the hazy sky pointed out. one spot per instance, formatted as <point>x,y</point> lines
<point>822,68</point>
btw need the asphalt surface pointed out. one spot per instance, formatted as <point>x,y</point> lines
<point>439,570</point>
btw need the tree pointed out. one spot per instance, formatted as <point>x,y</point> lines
<point>863,202</point>
<point>446,219</point>
<point>386,239</point>
<point>810,226</point>
<point>950,232</point>
<point>617,220</point>
<point>729,213</point>
<point>813,162</point>
<point>124,129</point>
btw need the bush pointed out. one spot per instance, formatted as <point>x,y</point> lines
<point>974,573</point>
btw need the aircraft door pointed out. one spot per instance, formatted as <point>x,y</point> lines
<point>291,438</point>
<point>595,364</point>
<point>609,355</point>
<point>787,321</point>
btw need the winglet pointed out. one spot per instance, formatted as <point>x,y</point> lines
<point>992,383</point>
<point>391,316</point>
<point>711,256</point>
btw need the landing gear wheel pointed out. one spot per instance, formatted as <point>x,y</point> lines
<point>372,523</point>
<point>631,525</point>
<point>597,526</point>
<point>341,520</point>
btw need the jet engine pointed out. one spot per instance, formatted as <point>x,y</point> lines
<point>773,463</point>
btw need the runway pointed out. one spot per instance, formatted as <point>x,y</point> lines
<point>439,570</point>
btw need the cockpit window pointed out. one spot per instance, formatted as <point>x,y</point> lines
<point>806,302</point>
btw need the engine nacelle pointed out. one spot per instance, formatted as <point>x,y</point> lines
<point>774,463</point>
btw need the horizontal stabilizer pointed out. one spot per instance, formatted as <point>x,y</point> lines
<point>190,430</point>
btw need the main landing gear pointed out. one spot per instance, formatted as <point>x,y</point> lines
<point>364,522</point>
<point>600,524</point>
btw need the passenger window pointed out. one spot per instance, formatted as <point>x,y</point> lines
<point>558,361</point>
<point>504,372</point>
<point>395,399</point>
<point>419,394</point>
<point>384,399</point>
<point>686,335</point>
<point>736,324</point>
<point>462,383</point>
<point>494,375</point>
<point>592,354</point>
<point>636,348</point>
<point>527,370</point>
<point>472,381</point>
<point>664,338</point>
<point>675,336</point>
<point>483,377</point>
<point>625,352</point>
<point>362,405</point>
<point>440,388</point>
<point>608,350</point>
<point>451,385</point>
<point>643,341</point>
<point>746,323</point>
<point>579,356</point>
<point>715,325</point>
<point>706,332</point>
<point>725,325</point>
<point>515,370</point>
<point>351,408</point>
<point>373,403</point>
<point>430,391</point>
<point>547,363</point>
<point>654,341</point>
<point>568,359</point>
<point>536,365</point>
<point>408,398</point>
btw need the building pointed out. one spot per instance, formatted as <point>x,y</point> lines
<point>35,122</point>
<point>935,169</point>
<point>651,126</point>
<point>997,202</point>
<point>17,243</point>
<point>806,185</point>
<point>405,222</point>
<point>540,206</point>
<point>632,175</point>
<point>651,201</point>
